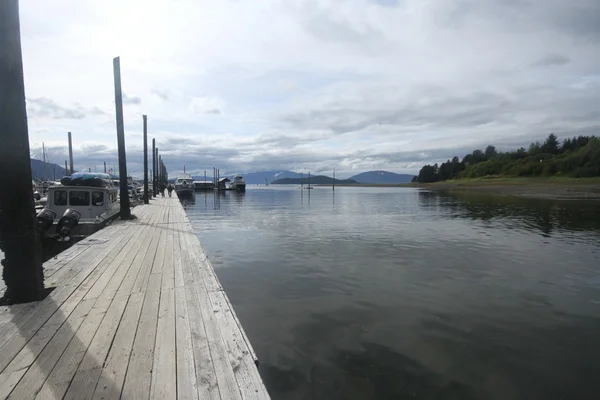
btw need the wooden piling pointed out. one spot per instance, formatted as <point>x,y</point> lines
<point>146,200</point>
<point>22,272</point>
<point>333,180</point>
<point>124,191</point>
<point>160,172</point>
<point>70,154</point>
<point>154,186</point>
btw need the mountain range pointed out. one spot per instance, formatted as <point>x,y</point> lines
<point>253,178</point>
<point>314,180</point>
<point>370,177</point>
<point>46,171</point>
<point>382,177</point>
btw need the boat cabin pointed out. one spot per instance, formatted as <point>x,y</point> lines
<point>222,183</point>
<point>91,202</point>
<point>203,185</point>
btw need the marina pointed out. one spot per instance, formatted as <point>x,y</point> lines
<point>136,311</point>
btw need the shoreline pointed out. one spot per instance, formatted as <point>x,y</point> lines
<point>538,188</point>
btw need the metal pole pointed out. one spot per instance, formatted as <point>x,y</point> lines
<point>22,272</point>
<point>146,200</point>
<point>124,192</point>
<point>334,180</point>
<point>70,155</point>
<point>66,169</point>
<point>104,166</point>
<point>153,167</point>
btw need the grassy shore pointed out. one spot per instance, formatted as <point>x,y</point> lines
<point>551,188</point>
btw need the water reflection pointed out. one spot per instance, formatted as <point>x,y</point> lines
<point>515,212</point>
<point>378,293</point>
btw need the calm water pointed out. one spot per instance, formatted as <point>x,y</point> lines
<point>396,293</point>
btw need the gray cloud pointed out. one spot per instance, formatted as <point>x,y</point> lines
<point>44,107</point>
<point>162,94</point>
<point>213,111</point>
<point>577,17</point>
<point>322,26</point>
<point>131,99</point>
<point>387,3</point>
<point>551,59</point>
<point>437,108</point>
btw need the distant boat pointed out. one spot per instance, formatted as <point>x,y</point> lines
<point>184,185</point>
<point>238,184</point>
<point>203,185</point>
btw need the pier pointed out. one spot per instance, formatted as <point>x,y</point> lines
<point>136,312</point>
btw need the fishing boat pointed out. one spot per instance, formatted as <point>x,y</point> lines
<point>238,184</point>
<point>84,203</point>
<point>184,185</point>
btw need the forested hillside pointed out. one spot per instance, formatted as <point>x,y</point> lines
<point>576,157</point>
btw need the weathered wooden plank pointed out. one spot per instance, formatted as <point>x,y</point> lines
<point>62,374</point>
<point>206,377</point>
<point>186,372</point>
<point>141,281</point>
<point>35,376</point>
<point>159,324</point>
<point>244,367</point>
<point>218,349</point>
<point>159,259</point>
<point>115,366</point>
<point>137,265</point>
<point>213,285</point>
<point>89,370</point>
<point>52,303</point>
<point>168,281</point>
<point>139,371</point>
<point>41,311</point>
<point>164,378</point>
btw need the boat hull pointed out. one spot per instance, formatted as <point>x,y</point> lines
<point>185,192</point>
<point>238,187</point>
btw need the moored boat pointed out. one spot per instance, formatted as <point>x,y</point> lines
<point>238,184</point>
<point>184,185</point>
<point>83,204</point>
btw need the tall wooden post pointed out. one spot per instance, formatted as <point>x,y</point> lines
<point>124,192</point>
<point>334,180</point>
<point>146,200</point>
<point>70,155</point>
<point>23,272</point>
<point>153,167</point>
<point>160,177</point>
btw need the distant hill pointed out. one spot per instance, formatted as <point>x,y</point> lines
<point>382,177</point>
<point>253,178</point>
<point>45,171</point>
<point>314,180</point>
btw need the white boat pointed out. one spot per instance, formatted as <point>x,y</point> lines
<point>238,184</point>
<point>80,206</point>
<point>184,185</point>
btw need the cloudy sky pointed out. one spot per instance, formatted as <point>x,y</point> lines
<point>308,85</point>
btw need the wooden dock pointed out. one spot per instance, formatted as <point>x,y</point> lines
<point>137,312</point>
